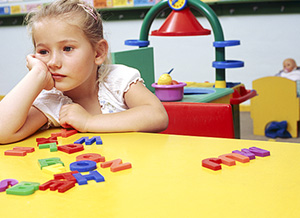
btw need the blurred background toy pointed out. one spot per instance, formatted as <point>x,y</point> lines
<point>290,70</point>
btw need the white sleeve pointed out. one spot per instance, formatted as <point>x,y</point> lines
<point>120,79</point>
<point>116,83</point>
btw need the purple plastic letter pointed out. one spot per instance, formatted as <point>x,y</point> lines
<point>7,182</point>
<point>246,153</point>
<point>259,152</point>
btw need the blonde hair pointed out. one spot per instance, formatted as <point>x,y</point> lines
<point>76,12</point>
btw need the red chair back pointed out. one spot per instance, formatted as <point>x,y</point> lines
<point>200,119</point>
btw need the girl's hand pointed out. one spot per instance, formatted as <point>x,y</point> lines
<point>75,116</point>
<point>35,64</point>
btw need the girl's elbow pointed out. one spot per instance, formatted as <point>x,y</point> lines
<point>4,139</point>
<point>165,122</point>
<point>9,137</point>
<point>162,121</point>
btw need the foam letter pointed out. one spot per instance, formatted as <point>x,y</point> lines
<point>116,165</point>
<point>83,165</point>
<point>93,175</point>
<point>60,185</point>
<point>246,153</point>
<point>23,188</point>
<point>212,163</point>
<point>259,152</point>
<point>91,156</point>
<point>7,182</point>
<point>229,159</point>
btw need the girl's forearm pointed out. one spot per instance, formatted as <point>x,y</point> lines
<point>141,119</point>
<point>15,105</point>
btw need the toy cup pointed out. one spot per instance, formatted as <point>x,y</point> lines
<point>169,92</point>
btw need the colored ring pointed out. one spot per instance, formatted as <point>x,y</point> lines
<point>222,44</point>
<point>136,42</point>
<point>83,166</point>
<point>227,64</point>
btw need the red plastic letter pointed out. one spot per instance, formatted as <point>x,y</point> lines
<point>212,163</point>
<point>91,156</point>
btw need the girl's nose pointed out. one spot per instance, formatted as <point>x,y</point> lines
<point>55,61</point>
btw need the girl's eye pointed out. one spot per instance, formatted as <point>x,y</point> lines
<point>68,48</point>
<point>43,52</point>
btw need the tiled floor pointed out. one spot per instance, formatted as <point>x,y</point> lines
<point>246,128</point>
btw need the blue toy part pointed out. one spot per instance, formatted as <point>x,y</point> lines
<point>197,91</point>
<point>81,140</point>
<point>136,42</point>
<point>222,44</point>
<point>93,175</point>
<point>90,141</point>
<point>173,6</point>
<point>83,165</point>
<point>232,84</point>
<point>277,129</point>
<point>96,139</point>
<point>227,64</point>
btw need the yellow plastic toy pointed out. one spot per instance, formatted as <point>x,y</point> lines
<point>197,84</point>
<point>164,79</point>
<point>276,101</point>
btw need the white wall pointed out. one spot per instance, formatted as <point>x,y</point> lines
<point>15,44</point>
<point>266,40</point>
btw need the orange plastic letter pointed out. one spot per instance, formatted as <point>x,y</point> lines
<point>116,165</point>
<point>229,159</point>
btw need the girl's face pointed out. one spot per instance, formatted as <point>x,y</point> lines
<point>70,57</point>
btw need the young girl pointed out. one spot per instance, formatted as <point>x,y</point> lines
<point>70,84</point>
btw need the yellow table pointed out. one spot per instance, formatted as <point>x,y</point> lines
<point>166,179</point>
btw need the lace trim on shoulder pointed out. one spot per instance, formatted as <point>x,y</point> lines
<point>133,81</point>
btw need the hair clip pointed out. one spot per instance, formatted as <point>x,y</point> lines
<point>89,10</point>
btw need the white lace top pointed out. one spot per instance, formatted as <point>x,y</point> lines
<point>110,95</point>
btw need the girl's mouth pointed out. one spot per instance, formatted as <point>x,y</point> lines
<point>57,77</point>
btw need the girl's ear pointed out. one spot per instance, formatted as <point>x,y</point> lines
<point>101,51</point>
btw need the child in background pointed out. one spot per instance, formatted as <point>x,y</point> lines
<point>290,70</point>
<point>71,84</point>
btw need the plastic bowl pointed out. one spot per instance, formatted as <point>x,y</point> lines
<point>169,92</point>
